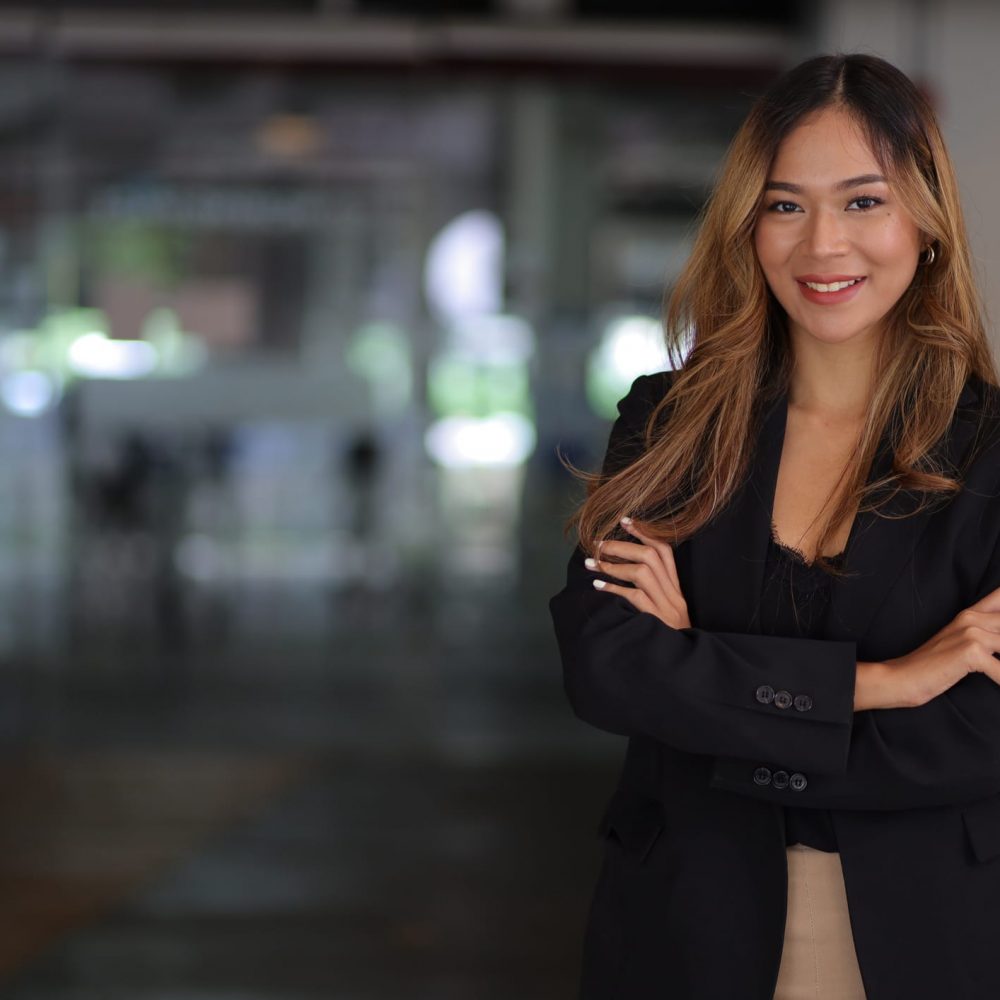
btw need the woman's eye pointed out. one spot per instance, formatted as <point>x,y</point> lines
<point>866,202</point>
<point>783,207</point>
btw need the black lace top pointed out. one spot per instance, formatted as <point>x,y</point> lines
<point>796,599</point>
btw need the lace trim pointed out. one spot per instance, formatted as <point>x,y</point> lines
<point>798,555</point>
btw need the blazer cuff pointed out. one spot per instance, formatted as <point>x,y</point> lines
<point>787,782</point>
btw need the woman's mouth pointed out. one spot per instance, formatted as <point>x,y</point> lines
<point>830,290</point>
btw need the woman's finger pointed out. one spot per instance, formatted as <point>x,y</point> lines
<point>643,577</point>
<point>637,598</point>
<point>637,552</point>
<point>989,602</point>
<point>640,574</point>
<point>988,619</point>
<point>629,551</point>
<point>671,616</point>
<point>663,549</point>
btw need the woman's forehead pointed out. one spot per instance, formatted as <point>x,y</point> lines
<point>824,151</point>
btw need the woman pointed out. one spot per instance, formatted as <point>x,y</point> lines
<point>787,588</point>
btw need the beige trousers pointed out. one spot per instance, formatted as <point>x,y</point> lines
<point>818,961</point>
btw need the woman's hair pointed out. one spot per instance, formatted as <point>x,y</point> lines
<point>740,357</point>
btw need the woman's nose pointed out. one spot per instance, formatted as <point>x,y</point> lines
<point>826,236</point>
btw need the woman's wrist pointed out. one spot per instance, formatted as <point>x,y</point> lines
<point>881,685</point>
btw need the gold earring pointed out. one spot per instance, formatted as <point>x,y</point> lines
<point>929,259</point>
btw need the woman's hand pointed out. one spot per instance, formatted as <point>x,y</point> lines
<point>965,645</point>
<point>649,566</point>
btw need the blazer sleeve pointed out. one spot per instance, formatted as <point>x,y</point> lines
<point>946,751</point>
<point>629,673</point>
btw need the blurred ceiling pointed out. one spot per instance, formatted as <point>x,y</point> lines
<point>776,12</point>
<point>711,42</point>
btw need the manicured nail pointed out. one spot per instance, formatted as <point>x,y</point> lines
<point>626,521</point>
<point>600,584</point>
<point>590,563</point>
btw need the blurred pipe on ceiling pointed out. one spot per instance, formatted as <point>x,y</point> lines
<point>331,42</point>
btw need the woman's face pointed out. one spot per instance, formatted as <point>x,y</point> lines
<point>829,218</point>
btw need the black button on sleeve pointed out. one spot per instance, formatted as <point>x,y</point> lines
<point>780,779</point>
<point>798,782</point>
<point>782,699</point>
<point>762,776</point>
<point>803,702</point>
<point>764,694</point>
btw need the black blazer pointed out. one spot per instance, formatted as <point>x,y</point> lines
<point>690,901</point>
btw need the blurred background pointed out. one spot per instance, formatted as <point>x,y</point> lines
<point>297,301</point>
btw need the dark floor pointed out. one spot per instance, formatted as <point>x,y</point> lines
<point>406,811</point>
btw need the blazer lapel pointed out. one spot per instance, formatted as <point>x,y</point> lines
<point>881,545</point>
<point>727,557</point>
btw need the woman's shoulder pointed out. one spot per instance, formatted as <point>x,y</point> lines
<point>627,436</point>
<point>979,405</point>
<point>646,391</point>
<point>979,396</point>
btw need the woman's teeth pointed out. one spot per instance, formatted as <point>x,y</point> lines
<point>834,286</point>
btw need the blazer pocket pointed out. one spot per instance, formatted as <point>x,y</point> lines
<point>982,825</point>
<point>635,820</point>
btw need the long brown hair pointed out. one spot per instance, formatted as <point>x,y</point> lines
<point>699,438</point>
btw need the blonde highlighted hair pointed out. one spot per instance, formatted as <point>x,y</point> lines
<point>699,438</point>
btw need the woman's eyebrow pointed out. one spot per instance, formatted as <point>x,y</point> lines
<point>850,182</point>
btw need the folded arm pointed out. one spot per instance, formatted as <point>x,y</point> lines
<point>741,698</point>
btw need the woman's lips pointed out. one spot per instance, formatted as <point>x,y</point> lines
<point>830,298</point>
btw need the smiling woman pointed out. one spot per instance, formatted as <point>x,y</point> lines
<point>841,214</point>
<point>786,591</point>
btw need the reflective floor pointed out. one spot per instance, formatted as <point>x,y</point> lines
<point>409,812</point>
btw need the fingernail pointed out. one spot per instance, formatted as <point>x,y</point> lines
<point>626,520</point>
<point>590,563</point>
<point>600,584</point>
